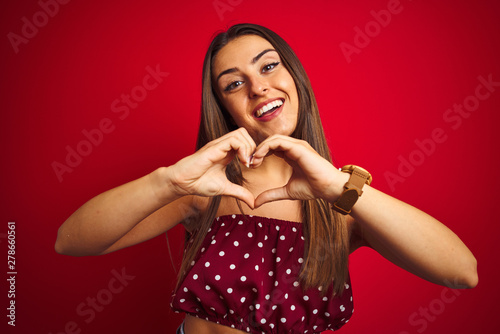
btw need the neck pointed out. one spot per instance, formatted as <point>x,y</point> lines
<point>273,170</point>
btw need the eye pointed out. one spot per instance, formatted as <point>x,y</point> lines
<point>270,67</point>
<point>232,85</point>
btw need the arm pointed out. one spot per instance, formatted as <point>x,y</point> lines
<point>140,207</point>
<point>413,240</point>
<point>146,207</point>
<point>403,234</point>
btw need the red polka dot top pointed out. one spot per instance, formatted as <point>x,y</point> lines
<point>245,276</point>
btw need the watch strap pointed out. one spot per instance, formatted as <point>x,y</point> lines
<point>358,179</point>
<point>346,201</point>
<point>352,188</point>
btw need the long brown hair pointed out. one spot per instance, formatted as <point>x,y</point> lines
<point>325,232</point>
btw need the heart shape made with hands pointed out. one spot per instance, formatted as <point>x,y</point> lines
<point>268,195</point>
<point>311,175</point>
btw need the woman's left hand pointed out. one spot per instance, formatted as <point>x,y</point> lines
<point>312,176</point>
<point>401,233</point>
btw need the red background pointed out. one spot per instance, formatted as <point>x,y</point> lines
<point>394,91</point>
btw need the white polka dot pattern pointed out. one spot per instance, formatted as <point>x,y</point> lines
<point>246,277</point>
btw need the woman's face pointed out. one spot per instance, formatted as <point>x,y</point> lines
<point>256,88</point>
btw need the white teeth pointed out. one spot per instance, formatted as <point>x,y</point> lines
<point>269,106</point>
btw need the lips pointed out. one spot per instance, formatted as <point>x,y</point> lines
<point>265,109</point>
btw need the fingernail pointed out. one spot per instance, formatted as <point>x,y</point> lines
<point>251,160</point>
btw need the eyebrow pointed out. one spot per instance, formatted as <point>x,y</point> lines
<point>254,60</point>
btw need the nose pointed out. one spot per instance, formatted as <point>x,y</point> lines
<point>258,86</point>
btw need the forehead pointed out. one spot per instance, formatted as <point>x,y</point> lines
<point>240,51</point>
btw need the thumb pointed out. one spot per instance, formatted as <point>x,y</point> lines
<point>271,195</point>
<point>241,193</point>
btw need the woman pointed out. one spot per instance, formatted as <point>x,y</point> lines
<point>275,258</point>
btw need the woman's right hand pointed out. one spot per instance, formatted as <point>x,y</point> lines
<point>203,173</point>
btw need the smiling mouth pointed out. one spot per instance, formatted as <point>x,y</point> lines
<point>269,108</point>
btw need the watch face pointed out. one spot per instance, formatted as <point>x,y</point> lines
<point>350,169</point>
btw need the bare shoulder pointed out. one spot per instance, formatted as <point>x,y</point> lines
<point>355,234</point>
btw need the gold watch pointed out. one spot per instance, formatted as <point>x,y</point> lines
<point>352,189</point>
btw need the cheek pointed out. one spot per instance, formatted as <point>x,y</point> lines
<point>234,110</point>
<point>287,84</point>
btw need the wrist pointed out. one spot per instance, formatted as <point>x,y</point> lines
<point>162,184</point>
<point>337,186</point>
<point>352,189</point>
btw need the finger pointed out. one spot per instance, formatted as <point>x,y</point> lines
<point>239,141</point>
<point>241,193</point>
<point>271,195</point>
<point>226,149</point>
<point>246,156</point>
<point>278,143</point>
<point>281,146</point>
